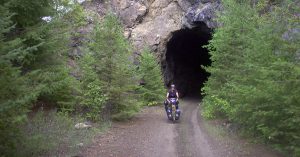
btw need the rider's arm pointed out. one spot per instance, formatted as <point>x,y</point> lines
<point>177,96</point>
<point>168,96</point>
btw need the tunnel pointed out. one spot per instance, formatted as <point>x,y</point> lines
<point>185,56</point>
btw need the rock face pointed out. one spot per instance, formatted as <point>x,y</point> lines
<point>151,22</point>
<point>202,13</point>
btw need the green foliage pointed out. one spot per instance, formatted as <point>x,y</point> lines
<point>53,134</point>
<point>255,72</point>
<point>94,98</point>
<point>73,13</point>
<point>216,107</point>
<point>110,69</point>
<point>32,65</point>
<point>29,12</point>
<point>13,100</point>
<point>152,91</point>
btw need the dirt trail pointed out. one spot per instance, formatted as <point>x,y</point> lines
<point>147,135</point>
<point>150,134</point>
<point>192,141</point>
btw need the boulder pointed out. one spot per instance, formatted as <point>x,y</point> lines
<point>201,13</point>
<point>82,126</point>
<point>163,19</point>
<point>130,12</point>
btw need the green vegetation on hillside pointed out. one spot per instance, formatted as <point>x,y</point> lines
<point>35,69</point>
<point>109,74</point>
<point>32,65</point>
<point>152,90</point>
<point>255,74</point>
<point>254,82</point>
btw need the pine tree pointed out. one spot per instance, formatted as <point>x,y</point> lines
<point>12,87</point>
<point>45,44</point>
<point>114,67</point>
<point>32,65</point>
<point>152,90</point>
<point>255,70</point>
<point>94,98</point>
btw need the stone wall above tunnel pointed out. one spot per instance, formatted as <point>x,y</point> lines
<point>203,11</point>
<point>152,23</point>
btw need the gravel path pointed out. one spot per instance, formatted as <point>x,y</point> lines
<point>192,140</point>
<point>150,134</point>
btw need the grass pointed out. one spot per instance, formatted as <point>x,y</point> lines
<point>215,130</point>
<point>54,134</point>
<point>232,136</point>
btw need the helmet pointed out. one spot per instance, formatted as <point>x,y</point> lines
<point>172,86</point>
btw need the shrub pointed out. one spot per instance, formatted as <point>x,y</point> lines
<point>255,70</point>
<point>32,65</point>
<point>49,133</point>
<point>111,68</point>
<point>152,90</point>
<point>94,98</point>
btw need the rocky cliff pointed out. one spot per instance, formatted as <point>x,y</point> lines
<point>153,24</point>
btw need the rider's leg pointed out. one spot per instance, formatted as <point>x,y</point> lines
<point>177,107</point>
<point>166,105</point>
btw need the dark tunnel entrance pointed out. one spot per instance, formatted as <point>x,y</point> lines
<point>184,58</point>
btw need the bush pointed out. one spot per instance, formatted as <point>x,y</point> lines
<point>255,71</point>
<point>152,91</point>
<point>32,65</point>
<point>110,67</point>
<point>14,97</point>
<point>54,134</point>
<point>94,98</point>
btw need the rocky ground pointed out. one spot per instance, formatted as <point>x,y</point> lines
<point>150,134</point>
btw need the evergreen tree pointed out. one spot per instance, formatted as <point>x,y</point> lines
<point>94,98</point>
<point>153,90</point>
<point>45,45</point>
<point>255,71</point>
<point>32,65</point>
<point>12,87</point>
<point>114,67</point>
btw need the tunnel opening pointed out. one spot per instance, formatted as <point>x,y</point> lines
<point>184,57</point>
